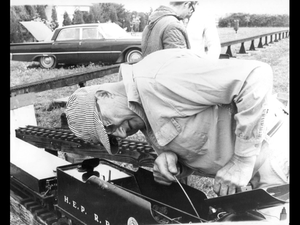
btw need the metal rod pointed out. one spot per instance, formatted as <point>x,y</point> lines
<point>188,198</point>
<point>109,175</point>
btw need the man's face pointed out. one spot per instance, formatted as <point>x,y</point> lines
<point>186,10</point>
<point>126,128</point>
<point>118,120</point>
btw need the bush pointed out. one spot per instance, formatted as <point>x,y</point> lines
<point>255,20</point>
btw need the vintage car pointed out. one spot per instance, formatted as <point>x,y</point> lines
<point>83,43</point>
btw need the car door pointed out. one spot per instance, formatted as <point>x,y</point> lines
<point>93,46</point>
<point>66,45</point>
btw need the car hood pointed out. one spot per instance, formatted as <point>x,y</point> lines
<point>38,29</point>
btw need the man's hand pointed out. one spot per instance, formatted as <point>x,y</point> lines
<point>236,173</point>
<point>165,166</point>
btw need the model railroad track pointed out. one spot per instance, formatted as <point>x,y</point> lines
<point>58,139</point>
<point>63,81</point>
<point>30,208</point>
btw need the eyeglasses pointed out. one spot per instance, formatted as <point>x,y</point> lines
<point>192,7</point>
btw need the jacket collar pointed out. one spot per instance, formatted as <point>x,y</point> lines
<point>134,101</point>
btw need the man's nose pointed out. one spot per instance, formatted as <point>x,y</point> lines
<point>120,132</point>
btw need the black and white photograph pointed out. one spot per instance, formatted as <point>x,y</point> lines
<point>140,112</point>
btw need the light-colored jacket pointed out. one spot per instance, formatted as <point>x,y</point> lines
<point>203,110</point>
<point>203,34</point>
<point>164,31</point>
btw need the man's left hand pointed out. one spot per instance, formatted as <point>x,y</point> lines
<point>236,173</point>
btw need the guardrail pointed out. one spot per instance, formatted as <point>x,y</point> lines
<point>278,35</point>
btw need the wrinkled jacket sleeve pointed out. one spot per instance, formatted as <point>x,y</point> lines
<point>252,108</point>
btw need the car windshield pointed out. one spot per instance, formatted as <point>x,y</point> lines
<point>112,30</point>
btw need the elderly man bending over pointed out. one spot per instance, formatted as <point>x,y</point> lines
<point>215,117</point>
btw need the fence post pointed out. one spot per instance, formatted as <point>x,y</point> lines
<point>229,51</point>
<point>275,38</point>
<point>266,41</point>
<point>242,49</point>
<point>252,48</point>
<point>271,40</point>
<point>260,45</point>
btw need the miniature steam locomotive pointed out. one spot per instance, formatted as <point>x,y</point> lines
<point>99,191</point>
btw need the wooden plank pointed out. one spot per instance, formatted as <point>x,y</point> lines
<point>18,118</point>
<point>22,100</point>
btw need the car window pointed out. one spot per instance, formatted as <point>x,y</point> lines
<point>68,34</point>
<point>91,33</point>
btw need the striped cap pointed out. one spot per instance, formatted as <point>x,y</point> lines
<point>83,117</point>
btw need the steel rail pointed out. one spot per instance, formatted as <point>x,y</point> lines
<point>62,81</point>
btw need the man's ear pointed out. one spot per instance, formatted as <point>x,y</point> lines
<point>103,94</point>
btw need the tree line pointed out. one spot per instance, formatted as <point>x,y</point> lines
<point>113,12</point>
<point>116,13</point>
<point>254,20</point>
<point>28,13</point>
<point>99,13</point>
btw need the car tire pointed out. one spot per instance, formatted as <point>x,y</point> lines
<point>133,55</point>
<point>48,62</point>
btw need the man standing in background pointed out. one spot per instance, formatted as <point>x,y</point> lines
<point>166,29</point>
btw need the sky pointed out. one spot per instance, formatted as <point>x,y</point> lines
<point>222,7</point>
<point>219,7</point>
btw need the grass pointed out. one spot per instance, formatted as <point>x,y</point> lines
<point>277,55</point>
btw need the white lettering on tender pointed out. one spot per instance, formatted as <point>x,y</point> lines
<point>82,209</point>
<point>66,199</point>
<point>96,217</point>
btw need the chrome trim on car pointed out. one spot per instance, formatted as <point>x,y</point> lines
<point>56,53</point>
